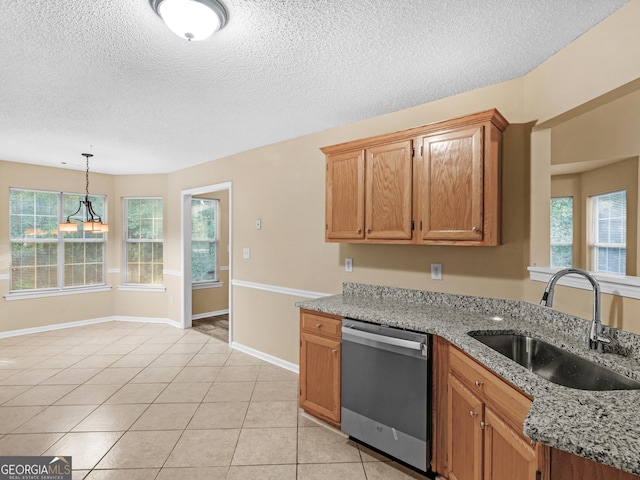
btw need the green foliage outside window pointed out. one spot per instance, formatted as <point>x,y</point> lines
<point>204,240</point>
<point>561,232</point>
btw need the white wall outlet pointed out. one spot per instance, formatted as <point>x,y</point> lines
<point>436,271</point>
<point>258,223</point>
<point>246,253</point>
<point>348,264</point>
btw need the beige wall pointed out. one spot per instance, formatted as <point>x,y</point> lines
<point>283,184</point>
<point>216,299</point>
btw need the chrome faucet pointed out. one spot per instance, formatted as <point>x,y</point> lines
<point>596,336</point>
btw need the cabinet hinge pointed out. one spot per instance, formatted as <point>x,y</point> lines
<point>326,226</point>
<point>412,226</point>
<point>421,150</point>
<point>420,225</point>
<point>538,475</point>
<point>413,152</point>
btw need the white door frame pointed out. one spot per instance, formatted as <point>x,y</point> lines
<point>185,239</point>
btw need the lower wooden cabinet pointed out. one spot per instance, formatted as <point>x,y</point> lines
<point>506,454</point>
<point>320,352</point>
<point>484,420</point>
<point>567,466</point>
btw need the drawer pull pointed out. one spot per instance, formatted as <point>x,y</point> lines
<point>473,414</point>
<point>318,325</point>
<point>479,383</point>
<point>484,425</point>
<point>334,351</point>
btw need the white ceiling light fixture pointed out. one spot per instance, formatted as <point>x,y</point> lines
<point>191,19</point>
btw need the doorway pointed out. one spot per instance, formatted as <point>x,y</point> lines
<point>200,296</point>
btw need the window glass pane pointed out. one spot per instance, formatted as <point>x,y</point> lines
<point>33,266</point>
<point>203,261</point>
<point>143,245</point>
<point>609,232</point>
<point>34,215</point>
<point>83,264</point>
<point>204,213</point>
<point>561,231</point>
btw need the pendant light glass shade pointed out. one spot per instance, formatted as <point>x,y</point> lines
<point>191,19</point>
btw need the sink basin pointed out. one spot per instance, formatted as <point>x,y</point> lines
<point>555,364</point>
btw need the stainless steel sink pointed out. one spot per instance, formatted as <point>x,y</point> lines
<point>555,364</point>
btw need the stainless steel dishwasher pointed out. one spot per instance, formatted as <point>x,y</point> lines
<point>385,390</point>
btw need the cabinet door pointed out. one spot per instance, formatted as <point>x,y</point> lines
<point>320,377</point>
<point>451,186</point>
<point>506,455</point>
<point>345,196</point>
<point>464,436</point>
<point>389,181</point>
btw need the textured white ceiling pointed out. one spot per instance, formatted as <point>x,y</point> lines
<point>109,73</point>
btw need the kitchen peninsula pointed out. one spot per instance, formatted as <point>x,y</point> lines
<point>602,426</point>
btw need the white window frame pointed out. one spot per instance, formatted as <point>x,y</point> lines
<point>199,284</point>
<point>60,241</point>
<point>129,241</point>
<point>594,245</point>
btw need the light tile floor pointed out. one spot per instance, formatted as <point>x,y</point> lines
<point>131,401</point>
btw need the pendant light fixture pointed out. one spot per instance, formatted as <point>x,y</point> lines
<point>91,221</point>
<point>191,19</point>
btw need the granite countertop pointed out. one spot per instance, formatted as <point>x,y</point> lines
<point>601,426</point>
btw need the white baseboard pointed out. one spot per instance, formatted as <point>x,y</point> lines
<point>80,323</point>
<point>292,367</point>
<point>209,314</point>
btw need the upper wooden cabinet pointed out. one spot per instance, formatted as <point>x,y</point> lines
<point>345,196</point>
<point>435,184</point>
<point>372,206</point>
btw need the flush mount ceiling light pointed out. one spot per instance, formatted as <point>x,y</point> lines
<point>91,221</point>
<point>191,19</point>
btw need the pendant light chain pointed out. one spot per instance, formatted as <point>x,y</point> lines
<point>87,175</point>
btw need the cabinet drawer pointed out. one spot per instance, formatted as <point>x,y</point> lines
<point>506,400</point>
<point>328,326</point>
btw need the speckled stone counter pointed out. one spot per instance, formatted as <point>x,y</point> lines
<point>601,426</point>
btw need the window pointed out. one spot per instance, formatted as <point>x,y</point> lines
<point>561,231</point>
<point>143,241</point>
<point>609,237</point>
<point>204,240</point>
<point>42,257</point>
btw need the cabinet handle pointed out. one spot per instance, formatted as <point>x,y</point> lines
<point>359,231</point>
<point>484,425</point>
<point>479,384</point>
<point>318,325</point>
<point>473,414</point>
<point>368,230</point>
<point>334,351</point>
<point>475,229</point>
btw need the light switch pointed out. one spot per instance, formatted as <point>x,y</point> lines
<point>246,253</point>
<point>258,223</point>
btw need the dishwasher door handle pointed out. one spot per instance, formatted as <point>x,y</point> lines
<point>383,339</point>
